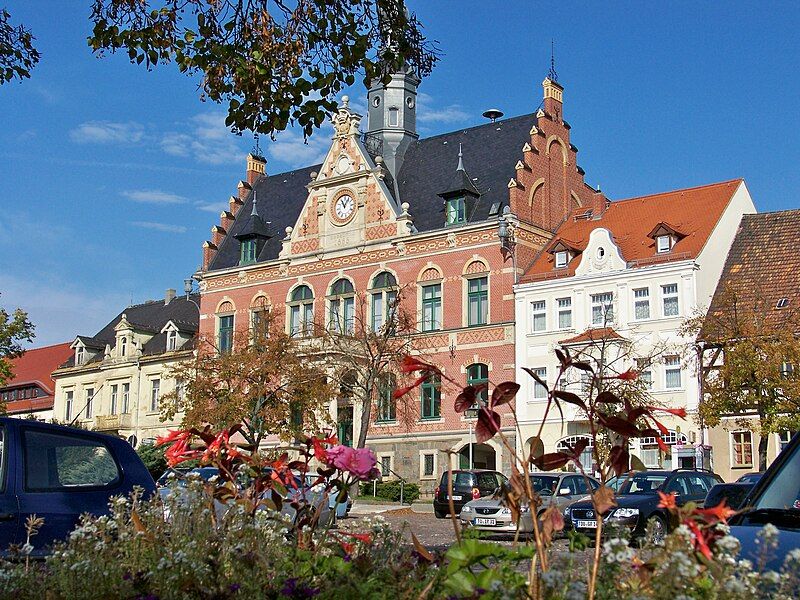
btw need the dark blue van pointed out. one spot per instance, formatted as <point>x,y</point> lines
<point>59,473</point>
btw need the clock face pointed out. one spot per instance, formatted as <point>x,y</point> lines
<point>344,206</point>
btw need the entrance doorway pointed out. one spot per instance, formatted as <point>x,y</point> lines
<point>483,457</point>
<point>344,422</point>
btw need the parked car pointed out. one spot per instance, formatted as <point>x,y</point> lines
<point>558,488</point>
<point>751,478</point>
<point>732,493</point>
<point>467,485</point>
<point>58,473</point>
<point>637,502</point>
<point>774,499</point>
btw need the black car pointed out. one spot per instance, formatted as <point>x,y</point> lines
<point>751,478</point>
<point>467,485</point>
<point>732,493</point>
<point>637,501</point>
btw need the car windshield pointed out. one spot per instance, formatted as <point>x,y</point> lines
<point>643,483</point>
<point>544,485</point>
<point>783,491</point>
<point>460,479</point>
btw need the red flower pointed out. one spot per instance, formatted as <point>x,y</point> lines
<point>720,512</point>
<point>172,435</point>
<point>361,537</point>
<point>667,501</point>
<point>700,542</point>
<point>678,412</point>
<point>628,375</point>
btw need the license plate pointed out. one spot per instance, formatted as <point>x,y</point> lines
<point>586,524</point>
<point>485,521</point>
<point>455,498</point>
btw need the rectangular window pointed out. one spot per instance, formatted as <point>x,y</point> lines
<point>663,243</point>
<point>478,301</point>
<point>172,340</point>
<point>539,391</point>
<point>248,252</point>
<point>225,334</point>
<point>645,372</point>
<point>428,465</point>
<point>669,295</point>
<point>89,401</point>
<point>114,392</point>
<point>387,405</point>
<point>456,211</point>
<point>126,398</point>
<point>602,308</point>
<point>742,448</point>
<point>386,466</point>
<point>79,356</point>
<point>432,398</point>
<point>342,315</point>
<point>68,399</point>
<point>641,304</point>
<point>564,313</point>
<point>59,461</point>
<point>672,372</point>
<point>123,346</point>
<point>538,315</point>
<point>561,259</point>
<point>155,394</point>
<point>784,437</point>
<point>378,311</point>
<point>432,307</point>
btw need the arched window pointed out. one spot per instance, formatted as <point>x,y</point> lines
<point>387,405</point>
<point>384,299</point>
<point>301,312</point>
<point>225,324</point>
<point>564,445</point>
<point>432,397</point>
<point>259,318</point>
<point>478,374</point>
<point>342,307</point>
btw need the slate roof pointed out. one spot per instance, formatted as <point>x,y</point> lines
<point>490,152</point>
<point>35,367</point>
<point>762,267</point>
<point>150,316</point>
<point>694,212</point>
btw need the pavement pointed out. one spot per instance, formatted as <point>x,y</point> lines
<point>370,508</point>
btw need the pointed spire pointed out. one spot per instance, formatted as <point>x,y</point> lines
<point>461,183</point>
<point>460,166</point>
<point>552,74</point>
<point>254,212</point>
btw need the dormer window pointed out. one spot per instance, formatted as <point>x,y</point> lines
<point>562,258</point>
<point>663,243</point>
<point>123,346</point>
<point>80,355</point>
<point>172,340</point>
<point>248,252</point>
<point>456,211</point>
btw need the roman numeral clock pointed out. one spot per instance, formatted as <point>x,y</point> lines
<point>343,207</point>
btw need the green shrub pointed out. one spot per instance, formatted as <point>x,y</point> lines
<point>390,490</point>
<point>153,458</point>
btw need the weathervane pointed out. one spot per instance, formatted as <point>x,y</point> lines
<point>256,145</point>
<point>552,74</point>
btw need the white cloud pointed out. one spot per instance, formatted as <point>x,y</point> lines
<point>212,207</point>
<point>206,139</point>
<point>291,150</point>
<point>428,113</point>
<point>166,227</point>
<point>153,197</point>
<point>107,132</point>
<point>58,311</point>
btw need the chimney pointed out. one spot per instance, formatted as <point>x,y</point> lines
<point>255,167</point>
<point>599,203</point>
<point>169,296</point>
<point>553,98</point>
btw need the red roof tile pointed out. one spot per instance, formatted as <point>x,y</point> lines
<point>35,367</point>
<point>593,335</point>
<point>694,212</point>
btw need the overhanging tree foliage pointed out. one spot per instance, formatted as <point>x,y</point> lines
<point>274,62</point>
<point>751,365</point>
<point>15,328</point>
<point>17,54</point>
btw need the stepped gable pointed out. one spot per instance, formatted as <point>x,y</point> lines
<point>692,213</point>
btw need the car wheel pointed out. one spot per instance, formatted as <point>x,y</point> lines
<point>439,514</point>
<point>658,530</point>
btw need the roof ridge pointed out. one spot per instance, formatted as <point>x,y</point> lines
<point>689,189</point>
<point>462,129</point>
<point>772,213</point>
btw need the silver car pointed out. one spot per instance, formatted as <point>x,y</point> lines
<point>559,488</point>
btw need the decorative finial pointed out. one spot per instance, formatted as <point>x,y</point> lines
<point>256,146</point>
<point>552,74</point>
<point>460,166</point>
<point>254,212</point>
<point>345,101</point>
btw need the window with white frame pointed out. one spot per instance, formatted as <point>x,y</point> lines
<point>172,340</point>
<point>672,372</point>
<point>123,346</point>
<point>540,391</point>
<point>586,382</point>
<point>155,394</point>
<point>386,465</point>
<point>562,258</point>
<point>784,437</point>
<point>564,313</point>
<point>126,398</point>
<point>742,447</point>
<point>663,243</point>
<point>602,308</point>
<point>568,443</point>
<point>641,304</point>
<point>427,467</point>
<point>80,355</point>
<point>645,370</point>
<point>669,298</point>
<point>538,315</point>
<point>651,454</point>
<point>301,312</point>
<point>342,307</point>
<point>68,402</point>
<point>89,401</point>
<point>384,300</point>
<point>114,398</point>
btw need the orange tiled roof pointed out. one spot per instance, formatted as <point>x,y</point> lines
<point>35,367</point>
<point>595,334</point>
<point>693,212</point>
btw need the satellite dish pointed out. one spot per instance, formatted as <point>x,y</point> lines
<point>132,440</point>
<point>493,114</point>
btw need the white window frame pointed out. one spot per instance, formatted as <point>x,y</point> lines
<point>155,394</point>
<point>672,367</point>
<point>125,406</point>
<point>643,366</point>
<point>663,244</point>
<point>604,301</point>
<point>88,406</point>
<point>380,456</point>
<point>69,404</point>
<point>123,346</point>
<point>80,355</point>
<point>114,398</point>
<point>172,340</point>
<point>670,295</point>
<point>561,259</point>
<point>422,454</point>
<point>642,299</point>
<point>563,307</point>
<point>734,463</point>
<point>539,391</point>
<point>784,437</point>
<point>538,312</point>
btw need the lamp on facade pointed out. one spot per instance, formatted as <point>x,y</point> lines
<point>188,288</point>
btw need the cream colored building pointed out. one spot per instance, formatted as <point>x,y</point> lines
<point>622,278</point>
<point>115,379</point>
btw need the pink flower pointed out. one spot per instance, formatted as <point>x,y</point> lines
<point>359,462</point>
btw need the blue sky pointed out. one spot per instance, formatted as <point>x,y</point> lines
<point>111,176</point>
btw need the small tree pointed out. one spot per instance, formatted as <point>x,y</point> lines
<point>15,328</point>
<point>265,381</point>
<point>367,350</point>
<point>751,364</point>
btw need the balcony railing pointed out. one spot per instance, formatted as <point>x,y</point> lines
<point>112,422</point>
